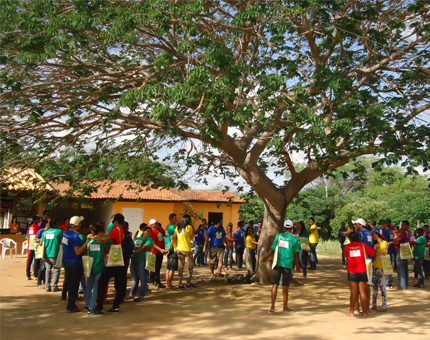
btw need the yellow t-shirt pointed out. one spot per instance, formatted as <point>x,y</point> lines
<point>377,260</point>
<point>184,239</point>
<point>249,243</point>
<point>313,234</point>
<point>349,231</point>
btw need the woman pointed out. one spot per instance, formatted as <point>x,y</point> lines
<point>14,225</point>
<point>184,234</point>
<point>251,246</point>
<point>142,244</point>
<point>378,277</point>
<point>303,254</point>
<point>230,243</point>
<point>199,242</point>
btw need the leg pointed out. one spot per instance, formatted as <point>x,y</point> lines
<point>419,269</point>
<point>426,269</point>
<point>239,254</point>
<point>143,283</point>
<point>343,252</point>
<point>313,260</point>
<point>354,289</point>
<point>95,290</point>
<point>48,275</point>
<point>89,290</point>
<point>226,257</point>
<point>231,257</point>
<point>376,280</point>
<point>75,273</point>
<point>190,267</point>
<point>36,266</point>
<point>158,264</point>
<point>253,260</point>
<point>135,277</point>
<point>102,286</point>
<point>285,298</point>
<point>303,257</point>
<point>120,276</point>
<point>383,286</point>
<point>363,287</point>
<point>220,261</point>
<point>400,273</point>
<point>273,297</point>
<point>181,263</point>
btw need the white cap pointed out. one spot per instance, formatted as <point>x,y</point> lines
<point>288,224</point>
<point>75,220</point>
<point>360,221</point>
<point>153,221</point>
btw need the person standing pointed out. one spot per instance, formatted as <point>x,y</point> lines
<point>229,246</point>
<point>172,255</point>
<point>51,239</point>
<point>402,264</point>
<point>239,237</point>
<point>342,239</point>
<point>40,263</point>
<point>378,279</point>
<point>158,249</point>
<point>72,261</point>
<point>313,242</point>
<point>250,251</point>
<point>206,227</point>
<point>419,248</point>
<point>389,237</point>
<point>426,263</point>
<point>214,244</point>
<point>288,248</point>
<point>14,225</point>
<point>303,254</point>
<point>199,242</point>
<point>116,236</point>
<point>31,237</point>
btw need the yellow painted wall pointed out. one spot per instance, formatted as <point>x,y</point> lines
<point>161,211</point>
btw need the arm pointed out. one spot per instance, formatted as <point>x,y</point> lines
<point>269,254</point>
<point>143,248</point>
<point>206,244</point>
<point>80,250</point>
<point>172,240</point>
<point>297,262</point>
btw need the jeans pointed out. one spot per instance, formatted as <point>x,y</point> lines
<point>91,290</point>
<point>239,256</point>
<point>250,260</point>
<point>199,255</point>
<point>30,260</point>
<point>303,258</point>
<point>313,260</point>
<point>138,272</point>
<point>154,277</point>
<point>206,257</point>
<point>120,279</point>
<point>49,267</point>
<point>426,268</point>
<point>418,266</point>
<point>72,275</point>
<point>402,272</point>
<point>41,271</point>
<point>228,255</point>
<point>342,246</point>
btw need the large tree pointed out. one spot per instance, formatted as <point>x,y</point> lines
<point>249,85</point>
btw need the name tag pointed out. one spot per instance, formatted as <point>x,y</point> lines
<point>95,247</point>
<point>284,244</point>
<point>369,238</point>
<point>138,243</point>
<point>65,241</point>
<point>354,253</point>
<point>50,236</point>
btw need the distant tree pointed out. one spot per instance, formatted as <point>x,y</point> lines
<point>236,86</point>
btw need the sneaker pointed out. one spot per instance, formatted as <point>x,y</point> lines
<point>161,285</point>
<point>190,285</point>
<point>139,299</point>
<point>181,287</point>
<point>48,290</point>
<point>95,312</point>
<point>87,308</point>
<point>56,289</point>
<point>74,310</point>
<point>114,310</point>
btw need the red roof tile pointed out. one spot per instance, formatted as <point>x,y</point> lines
<point>24,180</point>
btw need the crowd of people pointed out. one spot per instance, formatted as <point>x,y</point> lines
<point>93,254</point>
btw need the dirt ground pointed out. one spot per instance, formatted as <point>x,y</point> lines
<point>214,310</point>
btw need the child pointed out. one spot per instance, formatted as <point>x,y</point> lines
<point>251,246</point>
<point>379,280</point>
<point>96,250</point>
<point>356,253</point>
<point>420,245</point>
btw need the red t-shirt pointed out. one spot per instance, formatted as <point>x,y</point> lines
<point>63,227</point>
<point>117,235</point>
<point>158,239</point>
<point>32,231</point>
<point>355,256</point>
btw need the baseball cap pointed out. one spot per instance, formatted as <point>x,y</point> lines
<point>288,224</point>
<point>75,220</point>
<point>420,227</point>
<point>152,221</point>
<point>378,231</point>
<point>360,221</point>
<point>383,222</point>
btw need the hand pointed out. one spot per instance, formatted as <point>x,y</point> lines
<point>263,259</point>
<point>204,249</point>
<point>298,269</point>
<point>91,236</point>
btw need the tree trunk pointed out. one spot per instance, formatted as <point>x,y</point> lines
<point>272,225</point>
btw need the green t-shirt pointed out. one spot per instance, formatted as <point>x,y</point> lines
<point>288,245</point>
<point>110,227</point>
<point>170,231</point>
<point>305,234</point>
<point>83,238</point>
<point>139,242</point>
<point>420,247</point>
<point>51,238</point>
<point>96,250</point>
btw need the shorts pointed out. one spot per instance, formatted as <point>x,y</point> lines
<point>214,253</point>
<point>172,261</point>
<point>287,276</point>
<point>357,277</point>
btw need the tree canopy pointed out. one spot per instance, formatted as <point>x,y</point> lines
<point>242,87</point>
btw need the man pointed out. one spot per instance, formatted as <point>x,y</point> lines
<point>239,237</point>
<point>388,236</point>
<point>31,237</point>
<point>206,227</point>
<point>46,216</point>
<point>402,264</point>
<point>72,261</point>
<point>217,236</point>
<point>390,226</point>
<point>342,239</point>
<point>119,273</point>
<point>420,245</point>
<point>313,242</point>
<point>172,255</point>
<point>158,249</point>
<point>51,240</point>
<point>39,263</point>
<point>288,250</point>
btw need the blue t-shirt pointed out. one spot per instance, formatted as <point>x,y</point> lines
<point>217,237</point>
<point>71,240</point>
<point>366,238</point>
<point>340,236</point>
<point>40,232</point>
<point>239,235</point>
<point>199,239</point>
<point>389,236</point>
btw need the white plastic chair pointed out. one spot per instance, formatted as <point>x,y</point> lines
<point>8,244</point>
<point>24,247</point>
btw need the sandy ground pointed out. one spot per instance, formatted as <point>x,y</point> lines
<point>214,310</point>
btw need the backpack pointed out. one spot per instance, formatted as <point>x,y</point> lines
<point>127,246</point>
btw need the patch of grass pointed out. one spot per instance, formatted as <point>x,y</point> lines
<point>329,248</point>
